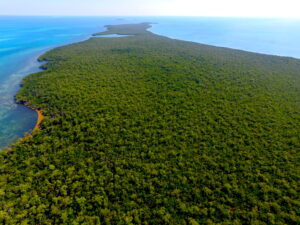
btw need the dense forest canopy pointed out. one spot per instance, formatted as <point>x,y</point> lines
<point>151,130</point>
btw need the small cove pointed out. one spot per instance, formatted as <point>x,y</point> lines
<point>23,40</point>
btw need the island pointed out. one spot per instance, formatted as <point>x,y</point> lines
<point>145,129</point>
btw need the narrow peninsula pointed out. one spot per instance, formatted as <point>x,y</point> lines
<point>145,129</point>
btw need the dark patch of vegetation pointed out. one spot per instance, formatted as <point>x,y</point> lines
<point>150,130</point>
<point>127,29</point>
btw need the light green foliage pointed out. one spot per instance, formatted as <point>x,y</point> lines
<point>150,130</point>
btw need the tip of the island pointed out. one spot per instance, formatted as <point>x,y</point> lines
<point>127,29</point>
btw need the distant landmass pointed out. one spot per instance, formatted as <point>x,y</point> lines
<point>145,129</point>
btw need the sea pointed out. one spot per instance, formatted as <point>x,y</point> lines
<point>23,39</point>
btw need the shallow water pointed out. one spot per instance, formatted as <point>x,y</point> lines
<point>23,39</point>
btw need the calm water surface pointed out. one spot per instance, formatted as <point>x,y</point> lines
<point>23,39</point>
<point>270,36</point>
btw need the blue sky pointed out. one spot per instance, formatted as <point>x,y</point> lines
<point>247,8</point>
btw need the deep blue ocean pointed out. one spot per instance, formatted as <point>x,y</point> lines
<point>23,39</point>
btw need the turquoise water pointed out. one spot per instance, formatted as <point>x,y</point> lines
<point>23,39</point>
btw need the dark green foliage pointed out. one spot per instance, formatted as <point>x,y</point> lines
<point>127,29</point>
<point>150,130</point>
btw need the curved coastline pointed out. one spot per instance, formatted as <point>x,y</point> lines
<point>42,67</point>
<point>131,31</point>
<point>39,114</point>
<point>39,120</point>
<point>38,111</point>
<point>162,130</point>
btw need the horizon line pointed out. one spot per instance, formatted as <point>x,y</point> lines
<point>203,16</point>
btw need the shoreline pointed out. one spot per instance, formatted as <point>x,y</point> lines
<point>110,31</point>
<point>166,119</point>
<point>39,120</point>
<point>40,67</point>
